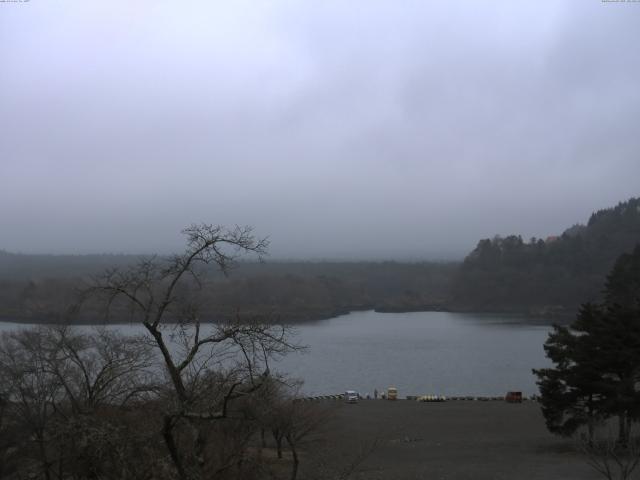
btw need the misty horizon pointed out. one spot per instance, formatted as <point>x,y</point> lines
<point>360,131</point>
<point>438,257</point>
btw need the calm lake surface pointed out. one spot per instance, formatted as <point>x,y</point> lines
<point>419,353</point>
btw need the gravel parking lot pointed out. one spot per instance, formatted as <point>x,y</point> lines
<point>453,440</point>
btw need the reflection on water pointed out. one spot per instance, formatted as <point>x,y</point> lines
<point>419,353</point>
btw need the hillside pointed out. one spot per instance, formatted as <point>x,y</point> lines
<point>547,276</point>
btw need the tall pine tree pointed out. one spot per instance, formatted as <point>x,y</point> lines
<point>596,373</point>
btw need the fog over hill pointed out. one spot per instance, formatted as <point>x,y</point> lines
<point>550,276</point>
<point>341,130</point>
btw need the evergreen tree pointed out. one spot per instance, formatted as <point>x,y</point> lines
<point>568,392</point>
<point>596,359</point>
<point>623,283</point>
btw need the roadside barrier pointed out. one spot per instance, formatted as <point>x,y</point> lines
<point>431,398</point>
<point>468,398</point>
<point>422,398</point>
<point>320,398</point>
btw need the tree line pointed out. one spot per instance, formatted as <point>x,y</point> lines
<point>538,276</point>
<point>552,275</point>
<point>290,291</point>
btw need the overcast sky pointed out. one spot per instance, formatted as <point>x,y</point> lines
<point>341,129</point>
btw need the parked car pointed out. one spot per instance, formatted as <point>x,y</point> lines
<point>351,396</point>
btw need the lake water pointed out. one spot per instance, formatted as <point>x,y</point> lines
<point>419,353</point>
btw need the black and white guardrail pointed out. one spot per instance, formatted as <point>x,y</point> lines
<point>423,398</point>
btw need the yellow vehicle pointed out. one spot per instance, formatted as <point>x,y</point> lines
<point>392,393</point>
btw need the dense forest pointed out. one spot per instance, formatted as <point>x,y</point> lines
<point>549,276</point>
<point>40,288</point>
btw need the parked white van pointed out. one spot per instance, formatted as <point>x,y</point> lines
<point>351,396</point>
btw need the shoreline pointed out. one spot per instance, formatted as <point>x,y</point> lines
<point>563,317</point>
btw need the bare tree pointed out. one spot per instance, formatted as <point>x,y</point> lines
<point>305,421</point>
<point>181,401</point>
<point>31,393</point>
<point>5,444</point>
<point>208,366</point>
<point>59,389</point>
<point>103,368</point>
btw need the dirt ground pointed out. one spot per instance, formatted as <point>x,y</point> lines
<point>451,440</point>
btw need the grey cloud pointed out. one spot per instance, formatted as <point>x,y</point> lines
<point>367,129</point>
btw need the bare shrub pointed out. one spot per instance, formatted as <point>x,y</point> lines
<point>610,458</point>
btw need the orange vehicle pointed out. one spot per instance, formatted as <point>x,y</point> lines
<point>513,397</point>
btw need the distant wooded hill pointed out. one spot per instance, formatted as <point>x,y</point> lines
<point>40,287</point>
<point>551,275</point>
